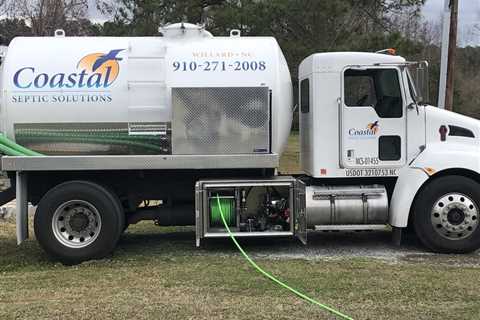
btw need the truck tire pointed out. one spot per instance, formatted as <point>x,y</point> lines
<point>446,215</point>
<point>78,221</point>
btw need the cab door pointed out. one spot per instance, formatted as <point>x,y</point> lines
<point>373,120</point>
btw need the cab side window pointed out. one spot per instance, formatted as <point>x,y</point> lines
<point>377,88</point>
<point>305,96</point>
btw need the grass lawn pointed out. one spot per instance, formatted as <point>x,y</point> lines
<point>289,162</point>
<point>157,273</point>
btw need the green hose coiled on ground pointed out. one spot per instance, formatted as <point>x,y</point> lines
<point>225,206</point>
<point>269,276</point>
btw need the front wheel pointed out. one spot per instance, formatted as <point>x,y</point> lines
<point>77,221</point>
<point>446,215</point>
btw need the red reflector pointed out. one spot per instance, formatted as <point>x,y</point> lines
<point>443,133</point>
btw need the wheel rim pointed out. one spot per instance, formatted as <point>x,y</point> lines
<point>76,223</point>
<point>454,216</point>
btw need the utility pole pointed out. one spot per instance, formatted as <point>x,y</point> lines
<point>449,44</point>
<point>452,50</point>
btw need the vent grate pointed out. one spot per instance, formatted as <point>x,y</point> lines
<point>226,120</point>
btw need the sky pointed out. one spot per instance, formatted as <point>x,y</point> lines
<point>93,13</point>
<point>468,16</point>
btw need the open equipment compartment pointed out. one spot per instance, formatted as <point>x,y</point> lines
<point>251,208</point>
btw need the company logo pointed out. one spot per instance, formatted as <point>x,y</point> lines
<point>373,126</point>
<point>95,70</point>
<point>369,132</point>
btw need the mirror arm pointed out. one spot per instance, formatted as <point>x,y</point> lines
<point>413,105</point>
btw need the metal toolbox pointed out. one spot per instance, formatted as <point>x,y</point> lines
<point>252,208</point>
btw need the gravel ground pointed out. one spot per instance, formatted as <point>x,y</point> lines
<point>321,245</point>
<point>368,244</point>
<point>324,246</point>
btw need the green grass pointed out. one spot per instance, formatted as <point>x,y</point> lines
<point>157,273</point>
<point>289,162</point>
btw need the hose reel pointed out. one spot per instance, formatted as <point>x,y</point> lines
<point>225,205</point>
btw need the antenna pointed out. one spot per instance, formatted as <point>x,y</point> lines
<point>203,16</point>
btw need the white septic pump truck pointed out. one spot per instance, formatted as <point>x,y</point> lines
<point>100,133</point>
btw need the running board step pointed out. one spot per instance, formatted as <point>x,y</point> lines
<point>352,227</point>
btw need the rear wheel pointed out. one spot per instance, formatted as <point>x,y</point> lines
<point>446,215</point>
<point>77,221</point>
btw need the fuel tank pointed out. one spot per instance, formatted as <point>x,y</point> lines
<point>346,205</point>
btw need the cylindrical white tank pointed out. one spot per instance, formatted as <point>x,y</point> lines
<point>184,93</point>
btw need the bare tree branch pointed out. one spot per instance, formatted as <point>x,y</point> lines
<point>44,16</point>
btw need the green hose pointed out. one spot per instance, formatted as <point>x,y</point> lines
<point>10,151</point>
<point>102,137</point>
<point>11,148</point>
<point>25,134</point>
<point>269,276</point>
<point>99,140</point>
<point>227,206</point>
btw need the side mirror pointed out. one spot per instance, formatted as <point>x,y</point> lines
<point>421,82</point>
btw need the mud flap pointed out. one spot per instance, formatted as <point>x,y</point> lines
<point>300,212</point>
<point>22,207</point>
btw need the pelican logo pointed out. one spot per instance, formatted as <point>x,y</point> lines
<point>370,131</point>
<point>373,126</point>
<point>94,71</point>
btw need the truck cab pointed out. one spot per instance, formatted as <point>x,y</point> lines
<point>358,115</point>
<point>363,120</point>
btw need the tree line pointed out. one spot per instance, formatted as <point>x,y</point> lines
<point>301,27</point>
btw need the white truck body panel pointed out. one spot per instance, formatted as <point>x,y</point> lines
<point>52,79</point>
<point>455,152</point>
<point>409,181</point>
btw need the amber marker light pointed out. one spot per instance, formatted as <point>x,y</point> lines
<point>429,171</point>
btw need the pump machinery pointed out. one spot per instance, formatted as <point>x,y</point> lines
<point>100,133</point>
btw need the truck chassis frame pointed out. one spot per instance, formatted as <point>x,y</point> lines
<point>23,165</point>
